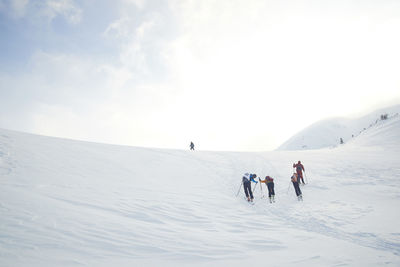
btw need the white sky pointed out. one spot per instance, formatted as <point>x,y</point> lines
<point>227,75</point>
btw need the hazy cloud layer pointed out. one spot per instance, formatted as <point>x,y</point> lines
<point>163,73</point>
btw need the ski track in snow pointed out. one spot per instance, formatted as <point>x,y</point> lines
<point>68,203</point>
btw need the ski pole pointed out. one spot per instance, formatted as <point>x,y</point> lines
<point>239,188</point>
<point>287,192</point>
<point>255,187</point>
<point>261,191</point>
<point>305,174</point>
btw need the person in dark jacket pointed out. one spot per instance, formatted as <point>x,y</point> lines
<point>246,180</point>
<point>269,181</point>
<point>299,170</point>
<point>296,186</point>
<point>191,146</point>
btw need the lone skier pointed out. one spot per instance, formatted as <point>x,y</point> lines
<point>269,181</point>
<point>299,170</point>
<point>191,146</point>
<point>247,186</point>
<point>296,186</point>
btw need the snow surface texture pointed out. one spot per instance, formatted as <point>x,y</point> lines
<point>70,203</point>
<point>327,133</point>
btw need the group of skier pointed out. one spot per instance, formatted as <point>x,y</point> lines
<point>248,178</point>
<point>296,179</point>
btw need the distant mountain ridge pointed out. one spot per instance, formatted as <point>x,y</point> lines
<point>327,133</point>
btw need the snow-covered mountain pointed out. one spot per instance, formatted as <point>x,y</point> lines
<point>70,203</point>
<point>327,133</point>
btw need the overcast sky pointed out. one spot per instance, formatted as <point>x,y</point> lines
<point>227,75</point>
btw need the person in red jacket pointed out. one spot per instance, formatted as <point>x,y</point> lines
<point>299,170</point>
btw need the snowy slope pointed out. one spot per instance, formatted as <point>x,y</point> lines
<point>327,133</point>
<point>69,203</point>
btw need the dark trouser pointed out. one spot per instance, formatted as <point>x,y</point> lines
<point>271,191</point>
<point>300,176</point>
<point>297,188</point>
<point>247,190</point>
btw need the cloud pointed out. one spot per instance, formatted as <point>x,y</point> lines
<point>121,96</point>
<point>46,10</point>
<point>171,71</point>
<point>120,28</point>
<point>138,3</point>
<point>68,96</point>
<point>142,40</point>
<point>133,53</point>
<point>65,8</point>
<point>19,7</point>
<point>15,8</point>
